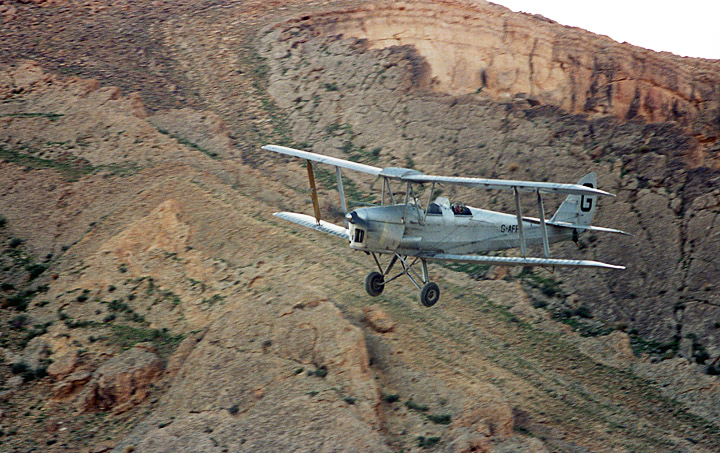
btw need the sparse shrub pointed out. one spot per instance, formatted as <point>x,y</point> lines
<point>119,306</point>
<point>15,243</point>
<point>19,368</point>
<point>35,270</point>
<point>391,398</point>
<point>583,312</point>
<point>5,286</point>
<point>299,370</point>
<point>40,372</point>
<point>136,317</point>
<point>410,404</point>
<point>234,409</point>
<point>3,221</point>
<point>427,442</point>
<point>111,288</point>
<point>72,324</point>
<point>20,300</point>
<point>320,372</point>
<point>18,322</point>
<point>443,419</point>
<point>350,400</point>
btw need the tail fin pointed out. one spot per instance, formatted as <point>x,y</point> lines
<point>578,209</point>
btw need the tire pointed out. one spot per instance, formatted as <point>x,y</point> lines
<point>429,294</point>
<point>374,284</point>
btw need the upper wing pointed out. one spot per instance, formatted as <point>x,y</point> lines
<point>568,189</point>
<point>410,175</point>
<point>324,159</point>
<point>309,221</point>
<point>517,261</point>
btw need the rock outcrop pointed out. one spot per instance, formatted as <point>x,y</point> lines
<point>122,381</point>
<point>271,377</point>
<point>478,46</point>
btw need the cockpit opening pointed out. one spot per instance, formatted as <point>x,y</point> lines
<point>435,208</point>
<point>460,209</point>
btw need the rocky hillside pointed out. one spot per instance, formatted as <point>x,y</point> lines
<point>151,302</point>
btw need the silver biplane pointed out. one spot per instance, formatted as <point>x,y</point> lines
<point>445,231</point>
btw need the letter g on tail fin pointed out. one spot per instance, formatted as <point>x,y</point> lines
<point>578,209</point>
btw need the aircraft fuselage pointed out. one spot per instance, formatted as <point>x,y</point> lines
<point>408,230</point>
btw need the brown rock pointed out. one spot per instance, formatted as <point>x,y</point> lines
<point>378,319</point>
<point>486,413</point>
<point>63,365</point>
<point>122,381</point>
<point>499,272</point>
<point>71,384</point>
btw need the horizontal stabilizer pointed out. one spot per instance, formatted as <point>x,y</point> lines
<point>309,221</point>
<point>589,228</point>
<point>517,261</point>
<point>578,227</point>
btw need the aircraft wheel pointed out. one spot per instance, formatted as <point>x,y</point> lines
<point>429,294</point>
<point>374,283</point>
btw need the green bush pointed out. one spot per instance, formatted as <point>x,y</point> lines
<point>443,419</point>
<point>320,372</point>
<point>410,404</point>
<point>391,398</point>
<point>18,322</point>
<point>427,442</point>
<point>35,270</point>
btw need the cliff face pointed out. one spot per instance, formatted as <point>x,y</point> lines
<point>481,47</point>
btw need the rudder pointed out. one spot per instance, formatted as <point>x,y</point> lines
<point>578,209</point>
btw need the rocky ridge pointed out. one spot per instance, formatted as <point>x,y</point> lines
<point>481,47</point>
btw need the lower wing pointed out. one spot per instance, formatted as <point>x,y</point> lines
<point>517,261</point>
<point>310,222</point>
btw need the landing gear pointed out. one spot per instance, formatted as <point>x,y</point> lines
<point>375,281</point>
<point>429,294</point>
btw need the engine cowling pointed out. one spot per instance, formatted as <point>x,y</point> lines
<point>375,229</point>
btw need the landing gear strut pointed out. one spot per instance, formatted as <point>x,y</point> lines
<point>375,281</point>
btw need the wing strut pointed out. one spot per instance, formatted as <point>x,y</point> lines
<point>518,212</point>
<point>543,227</point>
<point>341,191</point>
<point>313,192</point>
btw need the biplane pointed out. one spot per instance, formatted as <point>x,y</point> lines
<point>410,234</point>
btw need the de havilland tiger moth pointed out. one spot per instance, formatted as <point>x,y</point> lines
<point>442,231</point>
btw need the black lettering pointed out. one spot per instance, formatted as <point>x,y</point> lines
<point>586,203</point>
